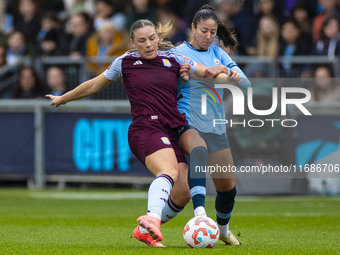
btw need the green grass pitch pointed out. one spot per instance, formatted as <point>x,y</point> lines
<point>101,222</point>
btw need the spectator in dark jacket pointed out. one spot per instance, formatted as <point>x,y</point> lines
<point>242,21</point>
<point>293,43</point>
<point>329,42</point>
<point>28,86</point>
<point>80,31</point>
<point>28,20</point>
<point>140,9</point>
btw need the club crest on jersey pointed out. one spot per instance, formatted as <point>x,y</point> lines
<point>217,61</point>
<point>166,62</point>
<point>165,140</point>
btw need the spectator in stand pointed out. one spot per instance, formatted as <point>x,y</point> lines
<point>51,29</point>
<point>140,9</point>
<point>108,41</point>
<point>49,21</point>
<point>105,12</point>
<point>261,8</point>
<point>77,6</point>
<point>267,41</point>
<point>54,6</point>
<point>241,20</point>
<point>329,40</point>
<point>28,20</point>
<point>56,82</point>
<point>189,9</point>
<point>290,4</point>
<point>49,45</point>
<point>176,7</point>
<point>329,9</point>
<point>325,88</point>
<point>80,31</point>
<point>271,7</point>
<point>327,45</point>
<point>28,85</point>
<point>293,43</point>
<point>18,48</point>
<point>302,16</point>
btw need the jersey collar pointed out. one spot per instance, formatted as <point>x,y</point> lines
<point>193,48</point>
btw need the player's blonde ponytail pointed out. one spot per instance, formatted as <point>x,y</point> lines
<point>161,30</point>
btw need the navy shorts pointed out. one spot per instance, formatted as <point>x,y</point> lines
<point>147,136</point>
<point>214,142</point>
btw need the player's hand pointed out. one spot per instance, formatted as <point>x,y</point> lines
<point>213,71</point>
<point>235,76</point>
<point>185,73</point>
<point>56,100</point>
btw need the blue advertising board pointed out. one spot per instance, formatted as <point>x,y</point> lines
<point>17,144</point>
<point>318,138</point>
<point>89,143</point>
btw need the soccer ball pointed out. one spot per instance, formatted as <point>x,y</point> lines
<point>201,232</point>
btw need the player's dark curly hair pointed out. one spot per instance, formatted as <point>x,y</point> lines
<point>224,34</point>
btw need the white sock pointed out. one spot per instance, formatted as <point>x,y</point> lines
<point>170,211</point>
<point>158,195</point>
<point>223,229</point>
<point>154,215</point>
<point>200,211</point>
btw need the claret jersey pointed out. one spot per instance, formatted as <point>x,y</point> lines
<point>151,85</point>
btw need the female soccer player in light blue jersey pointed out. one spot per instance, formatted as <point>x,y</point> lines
<point>204,142</point>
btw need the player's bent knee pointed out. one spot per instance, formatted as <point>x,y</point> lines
<point>223,185</point>
<point>229,194</point>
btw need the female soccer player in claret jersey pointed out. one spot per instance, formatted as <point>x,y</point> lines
<point>204,142</point>
<point>150,79</point>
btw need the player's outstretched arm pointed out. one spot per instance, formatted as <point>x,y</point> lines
<point>85,89</point>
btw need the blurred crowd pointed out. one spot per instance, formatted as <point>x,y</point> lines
<point>32,29</point>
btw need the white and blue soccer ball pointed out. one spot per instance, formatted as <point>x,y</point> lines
<point>201,232</point>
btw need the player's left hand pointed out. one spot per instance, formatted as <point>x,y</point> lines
<point>213,71</point>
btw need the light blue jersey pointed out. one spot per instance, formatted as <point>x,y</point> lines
<point>190,96</point>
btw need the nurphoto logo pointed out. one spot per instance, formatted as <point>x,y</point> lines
<point>239,105</point>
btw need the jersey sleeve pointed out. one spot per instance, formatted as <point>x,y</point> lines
<point>181,59</point>
<point>228,62</point>
<point>114,71</point>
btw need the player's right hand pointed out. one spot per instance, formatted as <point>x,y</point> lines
<point>56,100</point>
<point>185,73</point>
<point>235,75</point>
